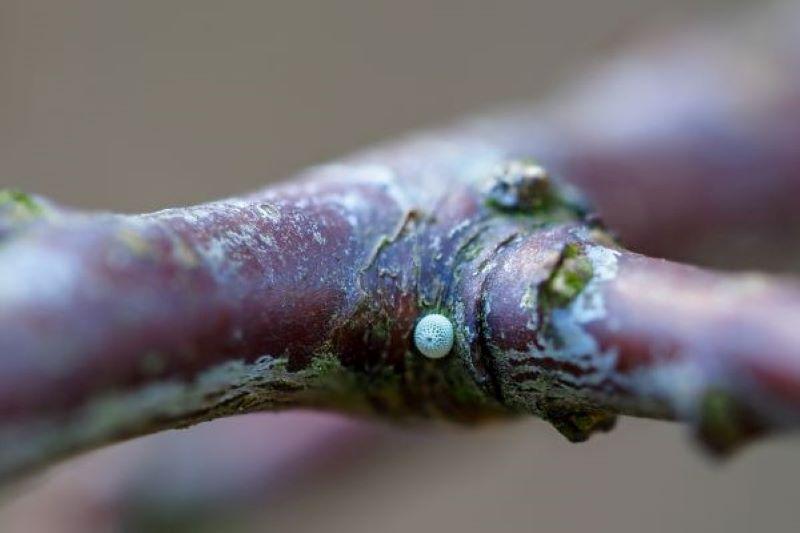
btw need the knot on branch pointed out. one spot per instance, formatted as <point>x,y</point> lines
<point>538,309</point>
<point>524,187</point>
<point>441,261</point>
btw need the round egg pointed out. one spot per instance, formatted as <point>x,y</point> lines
<point>433,336</point>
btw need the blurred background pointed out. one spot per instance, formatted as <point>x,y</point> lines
<point>138,105</point>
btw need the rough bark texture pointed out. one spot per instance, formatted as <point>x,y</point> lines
<point>306,294</point>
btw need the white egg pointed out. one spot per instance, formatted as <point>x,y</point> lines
<point>433,336</point>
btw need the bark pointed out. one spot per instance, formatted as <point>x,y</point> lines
<point>306,294</point>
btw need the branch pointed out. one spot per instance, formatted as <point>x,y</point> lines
<point>306,294</point>
<point>645,337</point>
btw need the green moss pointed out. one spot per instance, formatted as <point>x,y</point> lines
<point>472,250</point>
<point>18,206</point>
<point>529,298</point>
<point>464,389</point>
<point>722,426</point>
<point>569,278</point>
<point>379,332</point>
<point>324,365</point>
<point>578,426</point>
<point>334,386</point>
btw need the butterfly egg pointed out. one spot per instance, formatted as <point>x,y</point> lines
<point>433,336</point>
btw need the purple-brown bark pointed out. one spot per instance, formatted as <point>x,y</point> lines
<point>306,294</point>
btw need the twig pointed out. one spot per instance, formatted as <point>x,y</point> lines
<point>307,294</point>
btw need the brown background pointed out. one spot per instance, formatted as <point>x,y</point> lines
<point>136,105</point>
